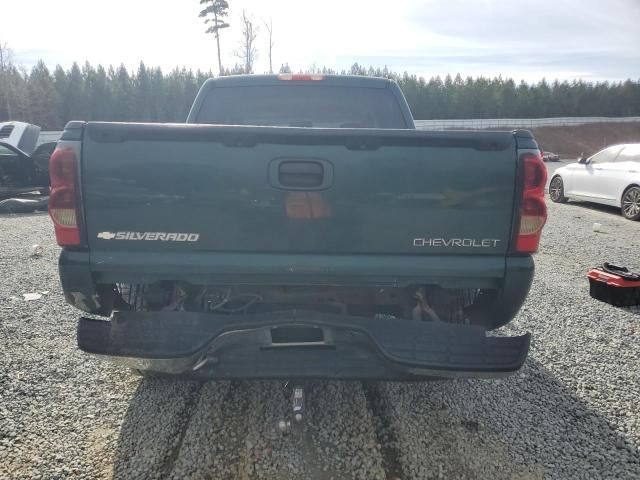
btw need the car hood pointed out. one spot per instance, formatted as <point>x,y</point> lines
<point>564,168</point>
<point>14,149</point>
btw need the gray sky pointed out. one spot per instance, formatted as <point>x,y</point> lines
<point>564,39</point>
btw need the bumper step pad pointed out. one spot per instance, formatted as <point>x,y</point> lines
<point>353,347</point>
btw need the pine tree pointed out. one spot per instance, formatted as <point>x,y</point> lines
<point>142,94</point>
<point>123,95</point>
<point>14,95</point>
<point>45,103</point>
<point>74,98</point>
<point>98,93</point>
<point>5,81</point>
<point>214,14</point>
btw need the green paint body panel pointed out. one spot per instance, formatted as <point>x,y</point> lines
<point>298,206</point>
<point>384,190</point>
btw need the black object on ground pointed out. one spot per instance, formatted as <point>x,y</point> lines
<point>23,205</point>
<point>615,285</point>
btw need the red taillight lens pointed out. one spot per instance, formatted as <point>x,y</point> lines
<point>535,174</point>
<point>63,199</point>
<point>533,210</point>
<point>62,167</point>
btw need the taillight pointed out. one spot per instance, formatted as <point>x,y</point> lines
<point>533,210</point>
<point>300,76</point>
<point>63,208</point>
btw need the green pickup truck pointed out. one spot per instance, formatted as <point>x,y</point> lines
<point>298,226</point>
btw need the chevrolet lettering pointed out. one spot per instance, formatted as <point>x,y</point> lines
<point>456,242</point>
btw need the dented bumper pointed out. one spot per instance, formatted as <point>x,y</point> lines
<point>299,344</point>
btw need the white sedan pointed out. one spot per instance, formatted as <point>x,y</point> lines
<point>611,177</point>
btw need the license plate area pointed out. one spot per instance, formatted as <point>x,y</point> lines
<point>298,336</point>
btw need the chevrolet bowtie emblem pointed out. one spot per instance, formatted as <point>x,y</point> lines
<point>106,235</point>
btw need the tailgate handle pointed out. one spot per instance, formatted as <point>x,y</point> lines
<point>293,174</point>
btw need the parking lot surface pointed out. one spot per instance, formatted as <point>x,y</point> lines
<point>572,411</point>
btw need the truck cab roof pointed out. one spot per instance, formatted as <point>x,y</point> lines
<point>333,80</point>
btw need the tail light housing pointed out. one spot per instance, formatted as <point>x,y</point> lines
<point>533,210</point>
<point>63,199</point>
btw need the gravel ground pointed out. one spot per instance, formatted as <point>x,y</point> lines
<point>572,412</point>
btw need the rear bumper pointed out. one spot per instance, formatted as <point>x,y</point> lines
<point>225,347</point>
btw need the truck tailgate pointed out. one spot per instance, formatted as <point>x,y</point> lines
<point>202,188</point>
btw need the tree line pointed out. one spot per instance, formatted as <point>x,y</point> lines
<point>147,94</point>
<point>50,98</point>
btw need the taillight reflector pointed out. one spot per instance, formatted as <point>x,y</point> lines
<point>533,210</point>
<point>62,207</point>
<point>300,76</point>
<point>63,197</point>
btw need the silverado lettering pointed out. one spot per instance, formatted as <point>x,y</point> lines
<point>150,236</point>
